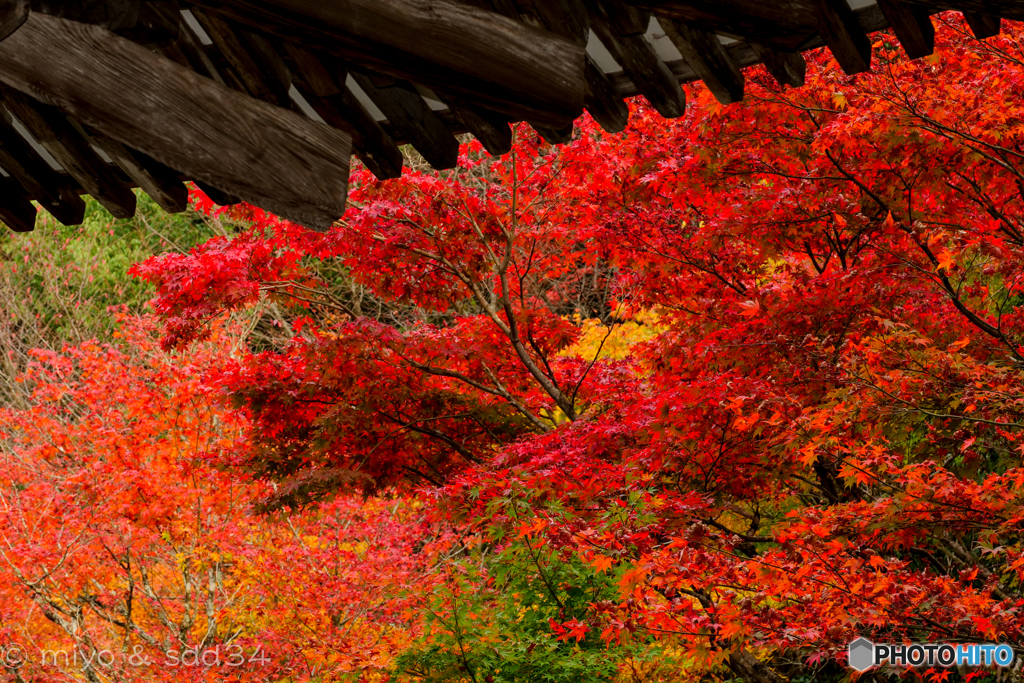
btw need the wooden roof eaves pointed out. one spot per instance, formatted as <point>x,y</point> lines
<point>744,53</point>
<point>291,76</point>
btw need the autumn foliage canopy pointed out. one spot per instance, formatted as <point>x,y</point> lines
<point>706,399</point>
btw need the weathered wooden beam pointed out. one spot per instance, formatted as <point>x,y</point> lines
<point>241,61</point>
<point>266,155</point>
<point>506,8</point>
<point>704,52</point>
<point>490,128</point>
<point>13,14</point>
<point>72,151</point>
<point>639,61</point>
<point>446,45</point>
<point>36,177</point>
<point>788,68</point>
<point>143,21</point>
<point>113,15</point>
<point>603,101</point>
<point>158,22</point>
<point>322,82</point>
<point>842,33</point>
<point>15,208</point>
<point>912,26</point>
<point>317,75</point>
<point>409,113</point>
<point>264,74</point>
<point>570,18</point>
<point>782,25</point>
<point>567,18</point>
<point>161,183</point>
<point>186,51</point>
<point>257,66</point>
<point>1007,9</point>
<point>983,25</point>
<point>625,19</point>
<point>374,146</point>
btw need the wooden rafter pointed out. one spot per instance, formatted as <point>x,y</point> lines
<point>161,183</point>
<point>617,30</point>
<point>912,26</point>
<point>707,57</point>
<point>36,178</point>
<point>406,109</point>
<point>71,150</point>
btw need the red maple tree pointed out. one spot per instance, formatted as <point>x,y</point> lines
<point>818,440</point>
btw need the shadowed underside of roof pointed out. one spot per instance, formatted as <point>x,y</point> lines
<point>265,101</point>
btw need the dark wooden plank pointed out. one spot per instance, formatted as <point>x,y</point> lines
<point>1007,9</point>
<point>842,33</point>
<point>406,109</point>
<point>382,80</point>
<point>567,18</point>
<point>212,60</point>
<point>490,128</point>
<point>788,68</point>
<point>16,211</point>
<point>603,101</point>
<point>36,177</point>
<point>113,15</point>
<point>570,18</point>
<point>639,61</point>
<point>266,155</point>
<point>158,22</point>
<point>13,14</point>
<point>162,184</point>
<point>446,45</point>
<point>780,24</point>
<point>186,51</point>
<point>983,25</point>
<point>267,76</point>
<point>321,80</point>
<point>704,52</point>
<point>911,25</point>
<point>317,75</point>
<point>506,8</point>
<point>72,151</point>
<point>374,146</point>
<point>143,21</point>
<point>258,76</point>
<point>625,19</point>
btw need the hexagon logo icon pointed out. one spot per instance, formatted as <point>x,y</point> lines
<point>862,654</point>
